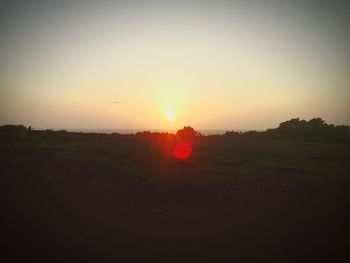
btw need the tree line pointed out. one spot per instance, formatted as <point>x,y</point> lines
<point>314,129</point>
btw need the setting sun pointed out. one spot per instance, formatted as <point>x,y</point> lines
<point>170,115</point>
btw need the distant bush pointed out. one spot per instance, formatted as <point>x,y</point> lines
<point>232,133</point>
<point>13,132</point>
<point>314,129</point>
<point>144,133</point>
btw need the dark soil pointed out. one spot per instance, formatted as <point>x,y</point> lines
<point>76,197</point>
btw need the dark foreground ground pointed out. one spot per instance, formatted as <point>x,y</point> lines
<point>88,197</point>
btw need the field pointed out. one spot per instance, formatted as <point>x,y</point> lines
<point>81,197</point>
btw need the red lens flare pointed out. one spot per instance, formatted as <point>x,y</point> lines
<point>182,150</point>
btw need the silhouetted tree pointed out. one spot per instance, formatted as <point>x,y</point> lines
<point>317,125</point>
<point>187,132</point>
<point>292,125</point>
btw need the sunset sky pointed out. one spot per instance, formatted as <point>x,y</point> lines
<point>166,64</point>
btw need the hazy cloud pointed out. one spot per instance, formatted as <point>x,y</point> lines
<point>116,102</point>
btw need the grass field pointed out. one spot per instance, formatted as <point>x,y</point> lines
<point>74,196</point>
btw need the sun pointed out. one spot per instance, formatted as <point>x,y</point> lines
<point>170,115</point>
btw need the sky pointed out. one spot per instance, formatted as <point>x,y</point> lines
<point>164,64</point>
